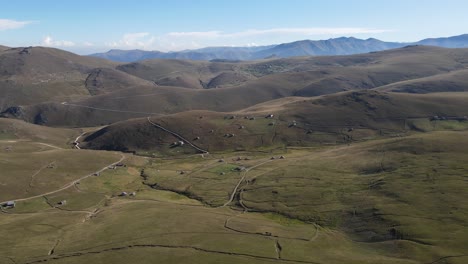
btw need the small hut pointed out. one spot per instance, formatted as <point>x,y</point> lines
<point>10,204</point>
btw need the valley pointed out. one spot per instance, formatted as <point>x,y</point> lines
<point>332,159</point>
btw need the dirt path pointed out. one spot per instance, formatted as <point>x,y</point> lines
<point>184,247</point>
<point>177,136</point>
<point>37,172</point>
<point>71,184</point>
<point>48,145</point>
<point>76,142</point>
<point>109,110</point>
<point>233,194</point>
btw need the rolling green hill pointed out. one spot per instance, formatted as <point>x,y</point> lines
<point>339,118</point>
<point>345,159</point>
<point>240,85</point>
<point>35,74</point>
<point>389,200</point>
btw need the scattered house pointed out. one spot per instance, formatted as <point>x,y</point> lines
<point>220,160</point>
<point>25,51</point>
<point>229,135</point>
<point>133,194</point>
<point>182,172</point>
<point>272,158</point>
<point>246,117</point>
<point>96,174</point>
<point>281,157</point>
<point>239,158</point>
<point>8,148</point>
<point>246,158</point>
<point>51,166</point>
<point>196,138</point>
<point>458,118</point>
<point>10,204</point>
<point>271,124</point>
<point>123,194</point>
<point>269,116</point>
<point>178,143</point>
<point>112,167</point>
<point>120,164</point>
<point>309,131</point>
<point>222,173</point>
<point>63,202</point>
<point>211,131</point>
<point>240,168</point>
<point>241,127</point>
<point>293,124</point>
<point>252,118</point>
<point>350,129</point>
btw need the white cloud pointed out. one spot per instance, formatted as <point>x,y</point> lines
<point>88,44</point>
<point>140,40</point>
<point>199,34</point>
<point>278,31</point>
<point>48,41</point>
<point>6,24</point>
<point>254,37</point>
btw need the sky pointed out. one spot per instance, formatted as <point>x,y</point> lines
<point>85,26</point>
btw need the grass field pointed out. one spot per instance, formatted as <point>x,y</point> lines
<point>399,199</point>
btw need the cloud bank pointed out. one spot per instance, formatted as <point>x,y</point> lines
<point>198,39</point>
<point>277,31</point>
<point>6,24</point>
<point>48,41</point>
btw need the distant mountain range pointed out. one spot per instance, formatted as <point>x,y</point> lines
<point>335,46</point>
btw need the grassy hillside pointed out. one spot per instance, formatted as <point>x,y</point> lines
<point>240,85</point>
<point>397,200</point>
<point>446,82</point>
<point>341,118</point>
<point>11,129</point>
<point>35,74</point>
<point>400,195</point>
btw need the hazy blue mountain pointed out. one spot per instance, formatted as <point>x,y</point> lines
<point>335,46</point>
<point>450,42</point>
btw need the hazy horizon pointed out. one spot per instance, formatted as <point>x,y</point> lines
<point>88,27</point>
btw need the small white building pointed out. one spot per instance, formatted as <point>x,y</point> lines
<point>10,204</point>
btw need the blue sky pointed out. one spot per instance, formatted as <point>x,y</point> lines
<point>85,26</point>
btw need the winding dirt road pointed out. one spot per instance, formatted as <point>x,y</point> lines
<point>71,184</point>
<point>241,180</point>
<point>177,136</point>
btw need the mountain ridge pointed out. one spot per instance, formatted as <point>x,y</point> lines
<point>332,46</point>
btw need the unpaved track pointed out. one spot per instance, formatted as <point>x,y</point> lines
<point>67,185</point>
<point>241,180</point>
<point>177,136</point>
<point>76,142</point>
